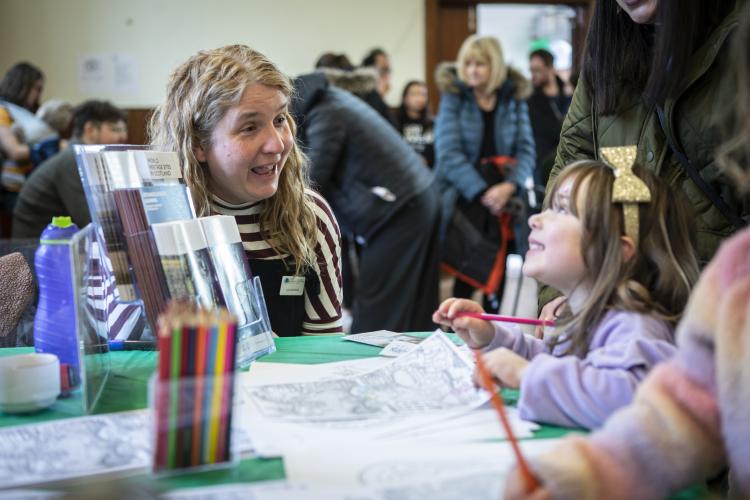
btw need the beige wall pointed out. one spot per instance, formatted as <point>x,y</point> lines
<point>159,34</point>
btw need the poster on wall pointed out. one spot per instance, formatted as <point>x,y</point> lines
<point>108,73</point>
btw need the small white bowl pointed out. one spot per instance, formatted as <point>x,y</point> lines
<point>28,382</point>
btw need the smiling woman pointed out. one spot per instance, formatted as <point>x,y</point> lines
<point>226,117</point>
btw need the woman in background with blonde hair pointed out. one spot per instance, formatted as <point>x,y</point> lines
<point>226,115</point>
<point>485,151</point>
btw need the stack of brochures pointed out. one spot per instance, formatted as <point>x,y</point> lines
<point>159,251</point>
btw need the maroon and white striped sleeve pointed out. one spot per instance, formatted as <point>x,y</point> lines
<point>323,311</point>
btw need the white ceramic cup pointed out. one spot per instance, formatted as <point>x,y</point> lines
<point>28,382</point>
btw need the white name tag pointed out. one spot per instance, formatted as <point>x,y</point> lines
<point>292,285</point>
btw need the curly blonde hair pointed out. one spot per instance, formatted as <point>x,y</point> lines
<point>199,93</point>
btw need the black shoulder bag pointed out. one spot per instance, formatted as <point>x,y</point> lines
<point>696,177</point>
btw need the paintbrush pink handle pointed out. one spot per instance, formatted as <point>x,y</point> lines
<point>507,319</point>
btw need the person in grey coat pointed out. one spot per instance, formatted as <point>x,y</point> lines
<point>379,192</point>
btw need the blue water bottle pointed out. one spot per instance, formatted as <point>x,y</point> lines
<point>55,320</point>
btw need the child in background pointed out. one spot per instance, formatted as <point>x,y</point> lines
<point>617,245</point>
<point>691,417</point>
<point>414,122</point>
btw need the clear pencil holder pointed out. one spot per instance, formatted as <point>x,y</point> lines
<point>192,423</point>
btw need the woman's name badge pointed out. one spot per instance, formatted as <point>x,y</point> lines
<point>292,285</point>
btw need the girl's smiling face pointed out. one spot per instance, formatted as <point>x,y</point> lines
<point>249,147</point>
<point>554,256</point>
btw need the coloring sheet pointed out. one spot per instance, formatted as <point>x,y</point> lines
<point>84,446</point>
<point>433,377</point>
<point>275,373</point>
<point>376,472</point>
<point>377,466</point>
<point>275,435</point>
<point>476,425</point>
<point>381,338</point>
<point>483,486</point>
<point>74,447</point>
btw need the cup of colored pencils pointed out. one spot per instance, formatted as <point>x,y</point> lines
<point>193,389</point>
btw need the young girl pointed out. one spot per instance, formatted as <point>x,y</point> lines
<point>690,419</point>
<point>414,122</point>
<point>624,259</point>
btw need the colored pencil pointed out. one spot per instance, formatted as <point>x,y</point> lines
<point>225,428</point>
<point>174,377</point>
<point>162,397</point>
<point>193,403</point>
<point>221,348</point>
<point>506,319</point>
<point>200,374</point>
<point>497,402</point>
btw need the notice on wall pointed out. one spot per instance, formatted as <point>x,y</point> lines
<point>108,73</point>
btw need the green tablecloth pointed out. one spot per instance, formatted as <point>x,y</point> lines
<point>126,390</point>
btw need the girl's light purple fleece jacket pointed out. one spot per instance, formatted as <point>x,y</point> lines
<point>690,417</point>
<point>582,392</point>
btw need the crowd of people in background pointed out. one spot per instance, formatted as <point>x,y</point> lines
<point>39,178</point>
<point>495,136</point>
<point>646,165</point>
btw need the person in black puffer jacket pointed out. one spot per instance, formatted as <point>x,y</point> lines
<point>381,193</point>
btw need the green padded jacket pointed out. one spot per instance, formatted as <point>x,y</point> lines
<point>694,115</point>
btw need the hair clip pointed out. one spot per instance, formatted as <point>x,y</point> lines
<point>628,188</point>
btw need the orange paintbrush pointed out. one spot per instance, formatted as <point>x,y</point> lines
<point>497,402</point>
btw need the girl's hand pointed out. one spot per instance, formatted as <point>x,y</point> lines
<point>496,197</point>
<point>477,333</point>
<point>548,313</point>
<point>515,489</point>
<point>506,366</point>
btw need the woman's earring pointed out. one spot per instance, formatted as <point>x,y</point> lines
<point>619,9</point>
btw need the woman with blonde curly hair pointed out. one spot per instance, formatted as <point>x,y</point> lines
<point>226,115</point>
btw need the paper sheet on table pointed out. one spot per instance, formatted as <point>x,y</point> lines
<point>377,466</point>
<point>434,377</point>
<point>476,425</point>
<point>396,348</point>
<point>343,471</point>
<point>274,439</point>
<point>29,494</point>
<point>277,373</point>
<point>477,486</point>
<point>264,490</point>
<point>113,443</point>
<point>75,447</point>
<point>433,382</point>
<point>381,338</point>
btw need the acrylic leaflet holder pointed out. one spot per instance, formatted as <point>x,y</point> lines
<point>254,335</point>
<point>128,188</point>
<point>204,262</point>
<point>92,277</point>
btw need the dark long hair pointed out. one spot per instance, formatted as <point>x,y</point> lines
<point>17,82</point>
<point>623,59</point>
<point>424,115</point>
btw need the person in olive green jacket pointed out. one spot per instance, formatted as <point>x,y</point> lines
<point>666,54</point>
